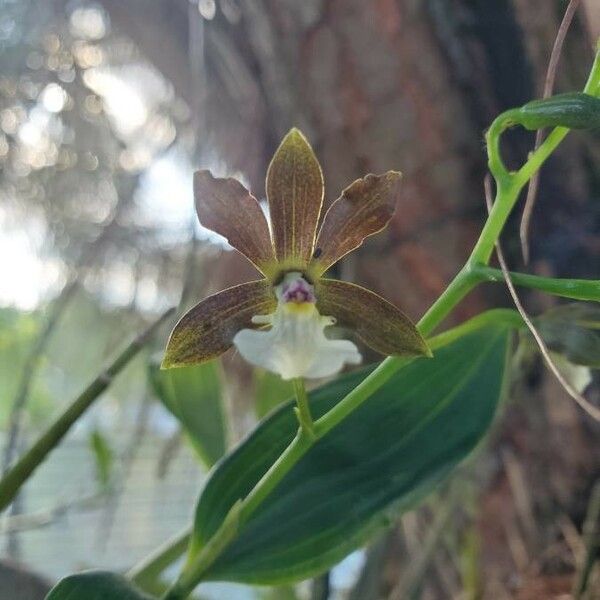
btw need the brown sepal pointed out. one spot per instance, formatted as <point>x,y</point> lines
<point>377,322</point>
<point>295,194</point>
<point>364,208</point>
<point>207,330</point>
<point>227,207</point>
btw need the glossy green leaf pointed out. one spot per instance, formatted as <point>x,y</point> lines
<point>95,585</point>
<point>103,457</point>
<point>381,460</point>
<point>194,395</point>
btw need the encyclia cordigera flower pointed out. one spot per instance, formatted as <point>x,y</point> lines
<point>279,322</point>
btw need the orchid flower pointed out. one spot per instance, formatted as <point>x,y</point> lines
<point>279,322</point>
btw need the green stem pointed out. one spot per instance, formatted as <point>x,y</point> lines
<point>279,469</point>
<point>18,474</point>
<point>507,194</point>
<point>459,287</point>
<point>537,158</point>
<point>509,185</point>
<point>367,387</point>
<point>29,373</point>
<point>302,409</point>
<point>509,316</point>
<point>575,289</point>
<point>199,561</point>
<point>149,570</point>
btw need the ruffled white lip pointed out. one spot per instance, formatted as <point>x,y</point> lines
<point>295,345</point>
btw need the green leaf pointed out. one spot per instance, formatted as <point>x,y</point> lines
<point>271,391</point>
<point>194,396</point>
<point>103,456</point>
<point>95,585</point>
<point>573,330</point>
<point>380,461</point>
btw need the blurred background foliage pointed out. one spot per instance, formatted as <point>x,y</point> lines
<point>106,109</point>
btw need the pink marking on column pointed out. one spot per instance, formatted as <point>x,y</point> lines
<point>298,291</point>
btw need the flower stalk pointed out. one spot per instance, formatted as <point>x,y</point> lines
<point>302,408</point>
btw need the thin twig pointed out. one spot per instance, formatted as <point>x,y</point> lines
<point>520,492</point>
<point>589,408</point>
<point>571,537</point>
<point>43,518</point>
<point>152,566</point>
<point>417,569</point>
<point>26,379</point>
<point>539,136</point>
<point>591,535</point>
<point>367,587</point>
<point>168,452</point>
<point>516,544</point>
<point>19,473</point>
<point>321,587</point>
<point>33,362</point>
<point>29,369</point>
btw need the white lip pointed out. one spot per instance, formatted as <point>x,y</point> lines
<point>295,345</point>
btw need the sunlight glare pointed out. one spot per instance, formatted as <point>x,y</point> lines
<point>26,279</point>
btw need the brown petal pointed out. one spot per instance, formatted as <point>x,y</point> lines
<point>228,208</point>
<point>377,322</point>
<point>364,208</point>
<point>206,331</point>
<point>295,195</point>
